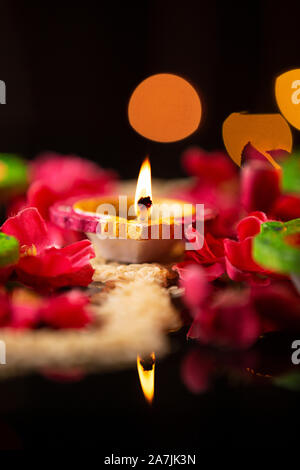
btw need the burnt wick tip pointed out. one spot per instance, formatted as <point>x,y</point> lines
<point>145,201</point>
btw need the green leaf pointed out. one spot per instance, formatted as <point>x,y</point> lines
<point>13,171</point>
<point>291,174</point>
<point>277,246</point>
<point>290,381</point>
<point>9,250</point>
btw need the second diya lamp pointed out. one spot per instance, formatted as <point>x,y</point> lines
<point>133,230</point>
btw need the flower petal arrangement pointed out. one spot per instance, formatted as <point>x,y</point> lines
<point>255,263</point>
<point>41,264</point>
<point>76,177</point>
<point>238,284</point>
<point>25,309</point>
<point>240,264</point>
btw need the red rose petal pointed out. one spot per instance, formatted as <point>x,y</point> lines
<point>29,228</point>
<point>196,286</point>
<point>248,227</point>
<point>67,310</point>
<point>260,186</point>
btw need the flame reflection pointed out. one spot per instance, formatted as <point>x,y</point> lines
<point>146,371</point>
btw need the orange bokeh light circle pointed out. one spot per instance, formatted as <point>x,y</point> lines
<point>287,92</point>
<point>164,108</point>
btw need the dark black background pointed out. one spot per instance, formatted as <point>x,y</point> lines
<point>70,68</point>
<point>108,412</point>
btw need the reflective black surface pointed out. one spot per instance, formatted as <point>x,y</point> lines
<point>108,411</point>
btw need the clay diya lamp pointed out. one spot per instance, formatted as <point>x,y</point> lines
<point>143,229</point>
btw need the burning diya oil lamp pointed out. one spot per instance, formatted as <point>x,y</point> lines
<point>143,229</point>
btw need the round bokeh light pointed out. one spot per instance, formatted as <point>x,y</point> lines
<point>164,108</point>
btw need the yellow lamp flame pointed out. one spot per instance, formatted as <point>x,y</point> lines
<point>143,186</point>
<point>147,377</point>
